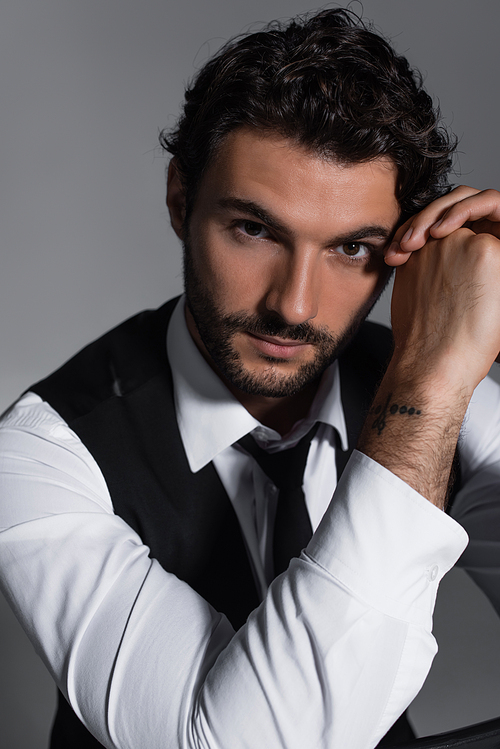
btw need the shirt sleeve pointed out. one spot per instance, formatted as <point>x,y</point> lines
<point>477,504</point>
<point>336,651</point>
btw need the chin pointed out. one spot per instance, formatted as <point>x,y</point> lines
<point>272,383</point>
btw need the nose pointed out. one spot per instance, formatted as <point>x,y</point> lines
<point>294,287</point>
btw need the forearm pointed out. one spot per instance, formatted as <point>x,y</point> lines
<point>414,423</point>
<point>146,662</point>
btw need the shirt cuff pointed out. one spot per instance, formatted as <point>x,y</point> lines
<point>385,542</point>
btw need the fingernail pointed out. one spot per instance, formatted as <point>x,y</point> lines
<point>408,234</point>
<point>392,250</point>
<point>435,226</point>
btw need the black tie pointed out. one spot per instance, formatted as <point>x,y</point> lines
<point>292,527</point>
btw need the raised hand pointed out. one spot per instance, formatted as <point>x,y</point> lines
<point>446,324</point>
<point>446,306</point>
<point>464,206</point>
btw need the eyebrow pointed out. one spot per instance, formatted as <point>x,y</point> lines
<point>253,209</point>
<point>374,231</point>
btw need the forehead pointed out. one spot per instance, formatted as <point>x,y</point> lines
<point>297,183</point>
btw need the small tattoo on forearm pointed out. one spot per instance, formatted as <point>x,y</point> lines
<point>382,411</point>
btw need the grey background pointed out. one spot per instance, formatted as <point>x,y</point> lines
<point>84,89</point>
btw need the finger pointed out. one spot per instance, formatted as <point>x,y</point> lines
<point>484,226</point>
<point>395,256</point>
<point>413,234</point>
<point>402,230</point>
<point>485,206</point>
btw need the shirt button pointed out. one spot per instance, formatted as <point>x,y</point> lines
<point>433,573</point>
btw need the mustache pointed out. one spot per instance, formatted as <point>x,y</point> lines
<point>273,325</point>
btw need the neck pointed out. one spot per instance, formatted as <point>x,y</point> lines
<point>278,413</point>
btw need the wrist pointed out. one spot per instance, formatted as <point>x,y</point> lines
<point>436,381</point>
<point>413,426</point>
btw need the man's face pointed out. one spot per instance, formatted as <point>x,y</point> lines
<point>283,259</point>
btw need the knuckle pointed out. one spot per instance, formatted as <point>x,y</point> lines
<point>491,194</point>
<point>466,189</point>
<point>486,248</point>
<point>483,243</point>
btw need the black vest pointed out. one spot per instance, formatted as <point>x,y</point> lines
<point>116,395</point>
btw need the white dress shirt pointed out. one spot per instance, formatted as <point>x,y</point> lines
<point>146,662</point>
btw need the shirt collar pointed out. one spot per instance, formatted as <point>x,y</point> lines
<point>210,418</point>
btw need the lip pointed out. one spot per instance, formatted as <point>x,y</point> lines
<point>278,347</point>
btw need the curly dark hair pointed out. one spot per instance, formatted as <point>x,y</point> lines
<point>329,83</point>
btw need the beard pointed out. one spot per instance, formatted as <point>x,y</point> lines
<point>218,330</point>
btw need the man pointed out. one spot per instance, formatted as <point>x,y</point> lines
<point>138,508</point>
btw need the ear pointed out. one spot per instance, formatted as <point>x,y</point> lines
<point>176,200</point>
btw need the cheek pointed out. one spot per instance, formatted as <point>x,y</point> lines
<point>381,278</point>
<point>240,286</point>
<point>373,279</point>
<point>349,292</point>
<point>237,276</point>
<point>231,280</point>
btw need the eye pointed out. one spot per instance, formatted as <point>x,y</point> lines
<point>253,229</point>
<point>355,250</point>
